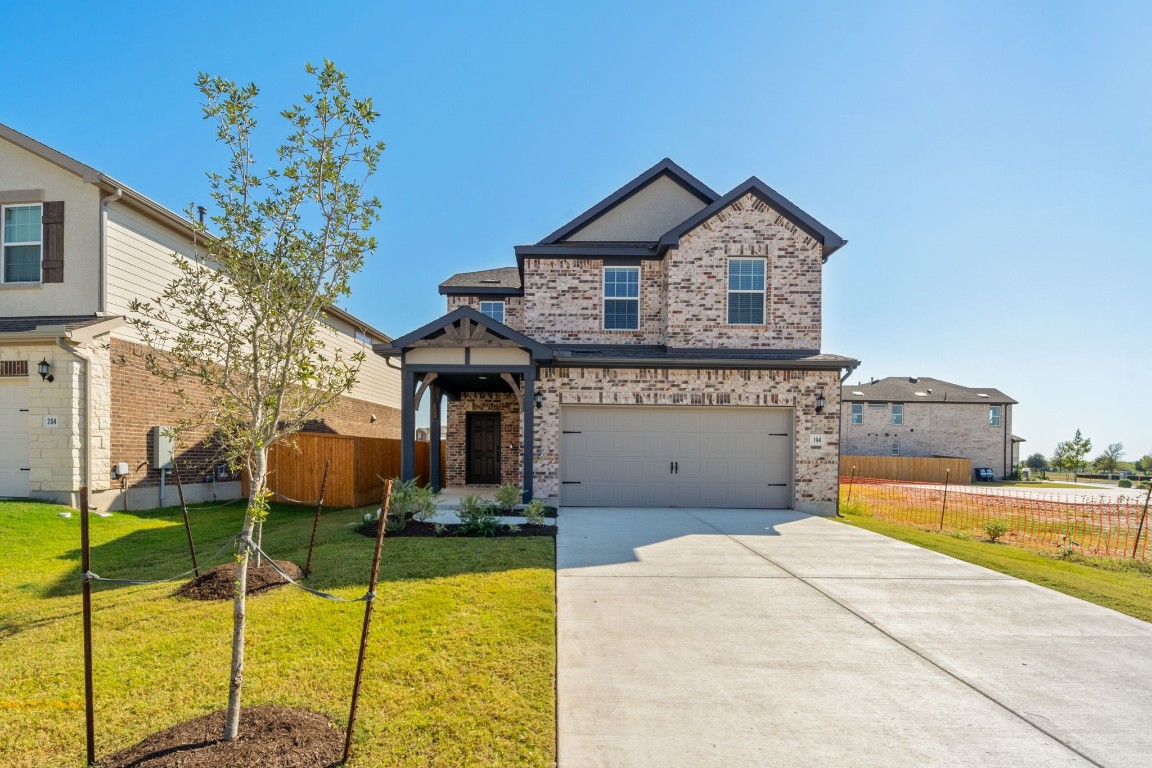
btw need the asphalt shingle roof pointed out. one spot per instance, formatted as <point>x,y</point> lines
<point>503,277</point>
<point>910,389</point>
<point>70,322</point>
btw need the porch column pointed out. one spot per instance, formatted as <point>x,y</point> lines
<point>434,469</point>
<point>528,408</point>
<point>407,424</point>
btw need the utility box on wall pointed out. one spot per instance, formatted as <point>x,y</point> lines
<point>161,448</point>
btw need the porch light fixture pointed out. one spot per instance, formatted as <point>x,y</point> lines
<point>539,399</point>
<point>819,402</point>
<point>42,368</point>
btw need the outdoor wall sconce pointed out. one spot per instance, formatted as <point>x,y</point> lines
<point>819,402</point>
<point>539,399</point>
<point>42,368</point>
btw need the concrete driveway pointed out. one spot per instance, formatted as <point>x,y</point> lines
<point>771,638</point>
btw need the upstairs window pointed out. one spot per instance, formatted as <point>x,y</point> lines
<point>746,291</point>
<point>621,298</point>
<point>857,413</point>
<point>20,243</point>
<point>993,415</point>
<point>493,309</point>
<point>897,414</point>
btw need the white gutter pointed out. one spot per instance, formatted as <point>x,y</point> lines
<point>87,443</point>
<point>101,279</point>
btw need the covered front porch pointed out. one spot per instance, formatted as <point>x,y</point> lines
<point>480,377</point>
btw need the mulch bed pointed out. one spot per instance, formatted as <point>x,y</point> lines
<point>270,737</point>
<point>217,583</point>
<point>416,528</point>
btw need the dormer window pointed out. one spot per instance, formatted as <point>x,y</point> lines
<point>493,309</point>
<point>621,298</point>
<point>746,291</point>
<point>20,243</point>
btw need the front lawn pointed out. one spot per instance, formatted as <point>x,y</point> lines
<point>460,667</point>
<point>1123,585</point>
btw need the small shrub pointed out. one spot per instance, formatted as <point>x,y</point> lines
<point>1124,484</point>
<point>534,513</point>
<point>477,516</point>
<point>409,502</point>
<point>508,497</point>
<point>995,529</point>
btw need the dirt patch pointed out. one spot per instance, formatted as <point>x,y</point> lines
<point>270,737</point>
<point>415,528</point>
<point>217,583</point>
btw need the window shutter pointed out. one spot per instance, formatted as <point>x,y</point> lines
<point>52,261</point>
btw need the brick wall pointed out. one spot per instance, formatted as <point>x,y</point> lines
<point>933,429</point>
<point>513,307</point>
<point>511,459</point>
<point>140,401</point>
<point>697,281</point>
<point>816,484</point>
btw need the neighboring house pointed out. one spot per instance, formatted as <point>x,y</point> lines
<point>662,348</point>
<point>77,247</point>
<point>927,417</point>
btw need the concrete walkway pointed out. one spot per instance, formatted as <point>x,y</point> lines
<point>761,638</point>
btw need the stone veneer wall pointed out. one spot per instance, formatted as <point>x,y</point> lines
<point>513,307</point>
<point>696,288</point>
<point>933,429</point>
<point>56,454</point>
<point>564,303</point>
<point>816,484</point>
<point>456,431</point>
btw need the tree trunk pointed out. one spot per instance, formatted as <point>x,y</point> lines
<point>259,471</point>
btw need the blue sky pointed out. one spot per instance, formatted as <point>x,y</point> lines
<point>987,161</point>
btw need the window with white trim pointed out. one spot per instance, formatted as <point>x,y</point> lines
<point>897,414</point>
<point>621,298</point>
<point>895,449</point>
<point>21,243</point>
<point>993,415</point>
<point>746,291</point>
<point>857,413</point>
<point>493,309</point>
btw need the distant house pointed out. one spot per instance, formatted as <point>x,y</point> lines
<point>928,417</point>
<point>76,247</point>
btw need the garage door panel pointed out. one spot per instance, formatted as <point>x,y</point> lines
<point>14,446</point>
<point>684,456</point>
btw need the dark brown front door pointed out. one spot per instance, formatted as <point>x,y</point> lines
<point>483,465</point>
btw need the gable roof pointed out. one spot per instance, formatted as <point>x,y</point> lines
<point>436,328</point>
<point>663,168</point>
<point>897,389</point>
<point>830,241</point>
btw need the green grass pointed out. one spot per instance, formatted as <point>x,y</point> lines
<point>1123,585</point>
<point>460,667</point>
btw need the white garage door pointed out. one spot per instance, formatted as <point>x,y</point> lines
<point>625,456</point>
<point>14,437</point>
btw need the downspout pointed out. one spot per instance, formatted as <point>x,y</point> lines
<point>101,268</point>
<point>87,409</point>
<point>840,430</point>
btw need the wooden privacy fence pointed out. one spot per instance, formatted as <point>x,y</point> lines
<point>354,476</point>
<point>913,469</point>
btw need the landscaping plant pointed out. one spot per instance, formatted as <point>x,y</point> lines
<point>535,512</point>
<point>239,333</point>
<point>995,529</point>
<point>409,502</point>
<point>477,516</point>
<point>508,497</point>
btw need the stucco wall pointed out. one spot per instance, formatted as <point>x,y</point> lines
<point>77,295</point>
<point>933,429</point>
<point>815,488</point>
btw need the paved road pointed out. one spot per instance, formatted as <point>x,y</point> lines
<point>1106,493</point>
<point>755,638</point>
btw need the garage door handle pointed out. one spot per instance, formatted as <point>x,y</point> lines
<point>777,485</point>
<point>570,482</point>
<point>777,434</point>
<point>25,469</point>
<point>571,432</point>
<point>23,410</point>
<point>676,467</point>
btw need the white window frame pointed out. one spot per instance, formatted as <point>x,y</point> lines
<point>857,414</point>
<point>729,291</point>
<point>895,449</point>
<point>503,310</point>
<point>605,298</point>
<point>897,414</point>
<point>4,245</point>
<point>994,415</point>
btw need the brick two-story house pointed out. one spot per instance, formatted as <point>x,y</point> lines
<point>919,416</point>
<point>76,247</point>
<point>662,348</point>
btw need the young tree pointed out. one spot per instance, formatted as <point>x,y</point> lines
<point>1078,449</point>
<point>1036,462</point>
<point>1144,464</point>
<point>242,323</point>
<point>1109,461</point>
